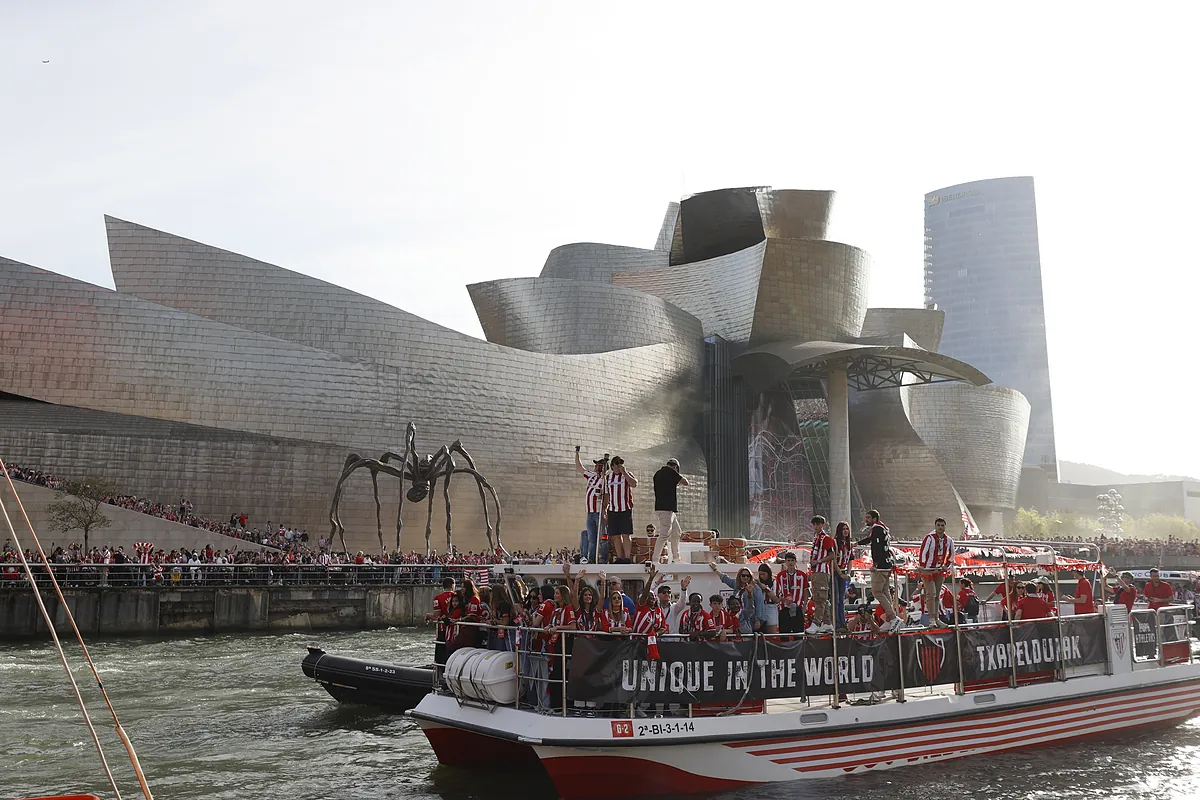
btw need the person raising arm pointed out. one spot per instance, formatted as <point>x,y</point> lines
<point>750,596</point>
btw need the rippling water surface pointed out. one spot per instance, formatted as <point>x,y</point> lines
<point>233,717</point>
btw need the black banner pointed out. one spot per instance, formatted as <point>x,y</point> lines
<point>620,671</point>
<point>1145,637</point>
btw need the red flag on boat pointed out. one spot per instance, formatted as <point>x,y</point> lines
<point>652,647</point>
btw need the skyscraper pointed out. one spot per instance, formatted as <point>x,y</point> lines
<point>983,269</point>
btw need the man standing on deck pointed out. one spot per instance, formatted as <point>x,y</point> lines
<point>594,503</point>
<point>620,486</point>
<point>1158,592</point>
<point>880,539</point>
<point>936,552</point>
<point>441,607</point>
<point>666,507</point>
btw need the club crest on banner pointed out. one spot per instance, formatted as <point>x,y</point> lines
<point>931,656</point>
<point>1119,643</point>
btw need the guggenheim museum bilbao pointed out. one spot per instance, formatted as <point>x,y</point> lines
<point>243,386</point>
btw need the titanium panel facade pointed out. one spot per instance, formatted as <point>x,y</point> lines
<point>721,292</point>
<point>720,222</point>
<point>977,433</point>
<point>666,233</point>
<point>247,293</point>
<point>725,221</point>
<point>811,289</point>
<point>548,315</point>
<point>895,470</point>
<point>588,261</point>
<point>795,213</point>
<point>983,269</point>
<point>922,325</point>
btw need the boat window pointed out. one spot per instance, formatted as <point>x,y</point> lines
<point>814,718</point>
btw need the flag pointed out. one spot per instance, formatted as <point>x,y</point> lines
<point>479,577</point>
<point>970,529</point>
<point>652,647</point>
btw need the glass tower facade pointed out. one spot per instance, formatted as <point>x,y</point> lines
<point>983,269</point>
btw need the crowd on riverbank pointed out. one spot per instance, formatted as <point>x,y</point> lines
<point>1138,548</point>
<point>293,554</point>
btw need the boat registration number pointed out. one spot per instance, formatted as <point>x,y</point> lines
<point>625,729</point>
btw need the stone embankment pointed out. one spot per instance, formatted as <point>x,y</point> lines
<point>149,612</point>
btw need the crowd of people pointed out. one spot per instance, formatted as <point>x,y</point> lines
<point>1148,549</point>
<point>785,599</point>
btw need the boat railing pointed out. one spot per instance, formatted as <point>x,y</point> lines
<point>922,657</point>
<point>185,575</point>
<point>1161,636</point>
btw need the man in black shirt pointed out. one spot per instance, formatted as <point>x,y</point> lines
<point>666,506</point>
<point>880,539</point>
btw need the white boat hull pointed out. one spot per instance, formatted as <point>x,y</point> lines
<point>599,757</point>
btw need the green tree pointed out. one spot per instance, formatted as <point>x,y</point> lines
<point>77,506</point>
<point>1029,524</point>
<point>1162,526</point>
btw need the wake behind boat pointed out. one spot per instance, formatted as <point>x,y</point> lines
<point>620,715</point>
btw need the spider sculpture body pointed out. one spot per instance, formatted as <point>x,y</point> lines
<point>422,473</point>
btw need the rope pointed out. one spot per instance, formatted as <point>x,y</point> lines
<point>58,645</point>
<point>133,759</point>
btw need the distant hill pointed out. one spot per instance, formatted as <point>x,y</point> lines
<point>1091,475</point>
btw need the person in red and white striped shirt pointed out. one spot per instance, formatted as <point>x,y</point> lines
<point>650,620</point>
<point>820,566</point>
<point>936,552</point>
<point>621,484</point>
<point>725,623</point>
<point>791,587</point>
<point>695,621</point>
<point>594,503</point>
<point>841,576</point>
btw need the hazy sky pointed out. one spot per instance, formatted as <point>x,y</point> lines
<point>407,149</point>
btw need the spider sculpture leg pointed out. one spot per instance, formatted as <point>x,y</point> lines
<point>405,469</point>
<point>429,524</point>
<point>378,507</point>
<point>457,447</point>
<point>352,464</point>
<point>446,495</point>
<point>335,520</point>
<point>484,485</point>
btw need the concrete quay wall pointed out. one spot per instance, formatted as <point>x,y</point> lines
<point>149,612</point>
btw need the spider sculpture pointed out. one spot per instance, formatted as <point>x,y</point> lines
<point>423,473</point>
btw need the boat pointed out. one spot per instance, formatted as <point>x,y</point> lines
<point>380,684</point>
<point>638,718</point>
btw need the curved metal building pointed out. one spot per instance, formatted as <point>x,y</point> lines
<point>243,385</point>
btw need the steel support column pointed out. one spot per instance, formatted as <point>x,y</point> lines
<point>839,445</point>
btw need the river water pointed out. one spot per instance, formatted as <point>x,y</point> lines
<point>226,717</point>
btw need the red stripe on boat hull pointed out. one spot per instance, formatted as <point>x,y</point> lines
<point>586,777</point>
<point>460,748</point>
